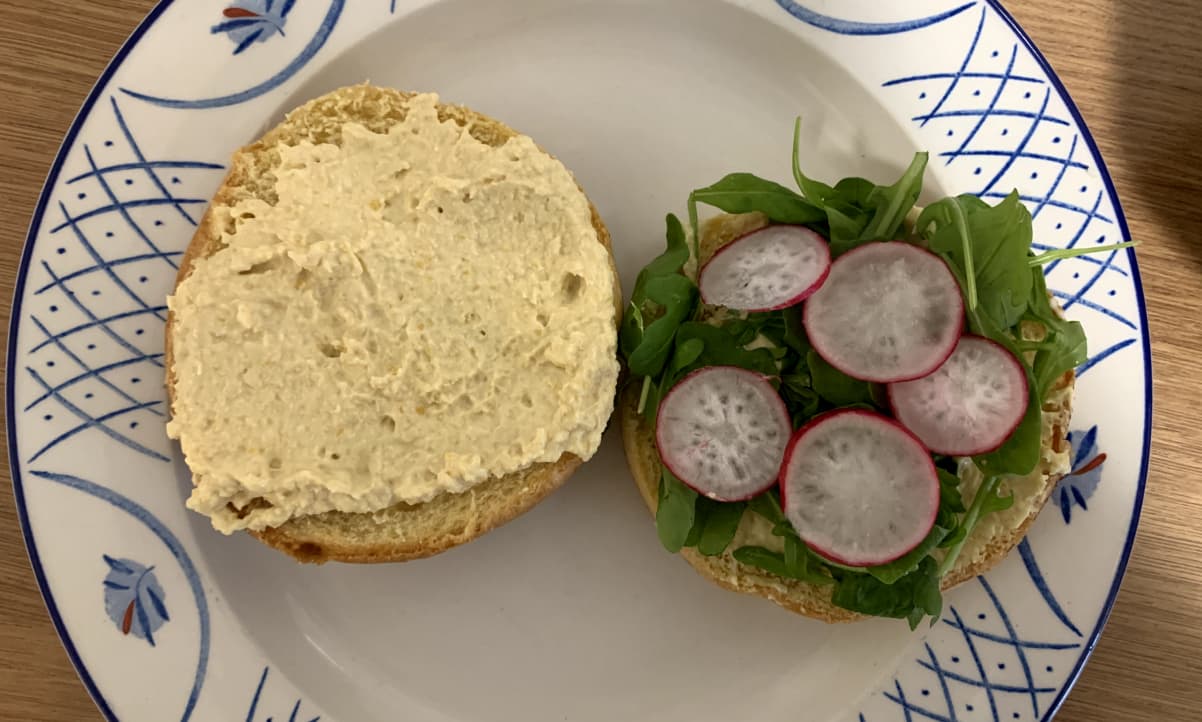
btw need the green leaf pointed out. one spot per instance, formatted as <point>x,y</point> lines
<point>985,502</point>
<point>723,349</point>
<point>721,522</point>
<point>911,597</point>
<point>815,192</point>
<point>774,563</point>
<point>677,295</point>
<point>951,506</point>
<point>836,387</point>
<point>1059,254</point>
<point>676,512</point>
<point>660,289</point>
<point>672,260</point>
<point>630,335</point>
<point>995,250</point>
<point>1065,346</point>
<point>767,505</point>
<point>700,519</point>
<point>794,336</point>
<point>1019,454</point>
<point>900,567</point>
<point>892,203</point>
<point>949,490</point>
<point>687,352</point>
<point>744,193</point>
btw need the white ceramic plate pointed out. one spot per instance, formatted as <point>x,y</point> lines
<point>572,612</point>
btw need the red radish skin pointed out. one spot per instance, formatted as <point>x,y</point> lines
<point>969,405</point>
<point>722,430</point>
<point>766,270</point>
<point>859,488</point>
<point>887,312</point>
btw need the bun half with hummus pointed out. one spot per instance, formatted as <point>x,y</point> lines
<point>394,330</point>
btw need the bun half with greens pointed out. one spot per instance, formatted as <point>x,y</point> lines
<point>925,374</point>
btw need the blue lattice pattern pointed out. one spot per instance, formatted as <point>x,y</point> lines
<point>989,114</point>
<point>984,669</point>
<point>99,289</point>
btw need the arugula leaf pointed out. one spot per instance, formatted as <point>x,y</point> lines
<point>1019,454</point>
<point>794,336</point>
<point>700,518</point>
<point>721,348</point>
<point>951,506</point>
<point>767,505</point>
<point>673,258</point>
<point>892,203</point>
<point>1065,346</point>
<point>900,567</point>
<point>985,502</point>
<point>1059,254</point>
<point>660,288</point>
<point>687,352</point>
<point>721,522</point>
<point>802,401</point>
<point>813,190</point>
<point>910,597</point>
<point>744,192</point>
<point>991,248</point>
<point>677,295</point>
<point>834,386</point>
<point>802,569</point>
<point>676,512</point>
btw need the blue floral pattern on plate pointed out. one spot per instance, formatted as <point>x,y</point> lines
<point>134,599</point>
<point>253,21</point>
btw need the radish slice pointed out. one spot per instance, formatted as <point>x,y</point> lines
<point>858,488</point>
<point>722,430</point>
<point>969,405</point>
<point>766,270</point>
<point>887,312</point>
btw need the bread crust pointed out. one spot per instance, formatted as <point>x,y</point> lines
<point>796,596</point>
<point>403,531</point>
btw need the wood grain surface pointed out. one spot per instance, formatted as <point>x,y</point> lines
<point>1135,69</point>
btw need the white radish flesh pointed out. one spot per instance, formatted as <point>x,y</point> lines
<point>722,430</point>
<point>766,270</point>
<point>887,312</point>
<point>858,488</point>
<point>969,405</point>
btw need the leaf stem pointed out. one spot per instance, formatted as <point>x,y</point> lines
<point>643,394</point>
<point>971,517</point>
<point>957,215</point>
<point>798,178</point>
<point>696,233</point>
<point>1062,253</point>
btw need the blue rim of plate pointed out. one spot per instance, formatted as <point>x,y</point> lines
<point>119,58</point>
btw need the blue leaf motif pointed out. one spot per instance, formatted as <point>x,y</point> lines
<point>253,21</point>
<point>1079,485</point>
<point>133,598</point>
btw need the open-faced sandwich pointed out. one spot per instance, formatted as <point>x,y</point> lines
<point>842,402</point>
<point>394,329</point>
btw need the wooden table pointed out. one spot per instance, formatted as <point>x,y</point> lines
<point>1135,69</point>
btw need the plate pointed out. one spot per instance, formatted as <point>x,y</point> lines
<point>572,612</point>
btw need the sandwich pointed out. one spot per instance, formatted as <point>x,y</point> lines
<point>394,330</point>
<point>840,401</point>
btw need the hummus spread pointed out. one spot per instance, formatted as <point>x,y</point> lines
<point>417,313</point>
